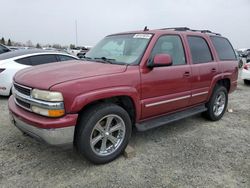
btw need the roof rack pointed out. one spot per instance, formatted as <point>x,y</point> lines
<point>188,29</point>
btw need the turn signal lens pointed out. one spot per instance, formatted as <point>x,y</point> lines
<point>48,112</point>
<point>55,113</point>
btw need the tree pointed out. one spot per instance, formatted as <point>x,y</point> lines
<point>9,43</point>
<point>2,41</point>
<point>29,43</point>
<point>57,46</point>
<point>38,45</point>
<point>72,46</point>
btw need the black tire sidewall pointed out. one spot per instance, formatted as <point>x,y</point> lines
<point>210,104</point>
<point>87,124</point>
<point>247,82</point>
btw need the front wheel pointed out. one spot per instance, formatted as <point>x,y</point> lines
<point>103,133</point>
<point>217,104</point>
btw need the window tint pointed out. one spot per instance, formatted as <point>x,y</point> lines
<point>3,49</point>
<point>172,45</point>
<point>224,48</point>
<point>199,50</point>
<point>43,59</point>
<point>65,58</point>
<point>24,61</point>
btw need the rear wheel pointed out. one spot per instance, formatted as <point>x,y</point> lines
<point>217,104</point>
<point>247,82</point>
<point>103,133</point>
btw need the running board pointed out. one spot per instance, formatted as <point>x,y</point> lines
<point>163,120</point>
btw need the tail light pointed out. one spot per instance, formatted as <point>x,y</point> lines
<point>246,66</point>
<point>1,70</point>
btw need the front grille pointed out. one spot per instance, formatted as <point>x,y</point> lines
<point>20,93</point>
<point>22,89</point>
<point>23,104</point>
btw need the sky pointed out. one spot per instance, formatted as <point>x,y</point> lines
<point>54,21</point>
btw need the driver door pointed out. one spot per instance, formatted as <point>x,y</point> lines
<point>166,89</point>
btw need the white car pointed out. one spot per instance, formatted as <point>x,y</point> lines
<point>245,75</point>
<point>13,61</point>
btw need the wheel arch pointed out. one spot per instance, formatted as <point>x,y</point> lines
<point>222,81</point>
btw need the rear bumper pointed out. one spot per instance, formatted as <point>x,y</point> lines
<point>53,131</point>
<point>245,75</point>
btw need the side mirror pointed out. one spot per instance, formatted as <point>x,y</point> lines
<point>161,60</point>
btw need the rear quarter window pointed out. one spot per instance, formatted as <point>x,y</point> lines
<point>224,48</point>
<point>24,61</point>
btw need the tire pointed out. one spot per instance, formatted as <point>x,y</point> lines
<point>247,82</point>
<point>215,111</point>
<point>96,136</point>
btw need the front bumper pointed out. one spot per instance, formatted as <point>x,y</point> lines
<point>53,131</point>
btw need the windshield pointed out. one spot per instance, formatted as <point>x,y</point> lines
<point>120,49</point>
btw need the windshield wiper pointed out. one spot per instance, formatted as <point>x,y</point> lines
<point>107,60</point>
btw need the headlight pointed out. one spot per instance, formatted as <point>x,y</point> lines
<point>50,96</point>
<point>47,108</point>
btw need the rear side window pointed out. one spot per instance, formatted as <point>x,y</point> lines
<point>199,50</point>
<point>65,58</point>
<point>224,49</point>
<point>42,59</point>
<point>24,61</point>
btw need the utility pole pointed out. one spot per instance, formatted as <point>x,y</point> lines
<point>76,33</point>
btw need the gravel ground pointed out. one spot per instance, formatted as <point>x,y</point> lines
<point>189,153</point>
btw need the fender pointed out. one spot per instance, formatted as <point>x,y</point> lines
<point>82,100</point>
<point>216,79</point>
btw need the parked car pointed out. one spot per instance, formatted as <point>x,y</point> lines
<point>141,79</point>
<point>245,75</point>
<point>3,49</point>
<point>13,61</point>
<point>82,53</point>
<point>240,61</point>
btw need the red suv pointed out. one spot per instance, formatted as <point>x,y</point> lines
<point>141,79</point>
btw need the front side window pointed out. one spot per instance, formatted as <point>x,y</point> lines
<point>199,50</point>
<point>224,49</point>
<point>43,59</point>
<point>171,45</point>
<point>120,49</point>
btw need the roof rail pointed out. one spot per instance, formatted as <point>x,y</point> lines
<point>177,28</point>
<point>188,29</point>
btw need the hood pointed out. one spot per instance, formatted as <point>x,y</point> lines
<point>48,75</point>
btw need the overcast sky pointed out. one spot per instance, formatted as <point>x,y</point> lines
<point>53,21</point>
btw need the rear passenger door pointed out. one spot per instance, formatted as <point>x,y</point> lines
<point>43,59</point>
<point>203,68</point>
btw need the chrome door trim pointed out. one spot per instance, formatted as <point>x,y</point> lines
<point>167,101</point>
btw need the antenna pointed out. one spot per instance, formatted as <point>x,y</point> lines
<point>146,28</point>
<point>76,33</point>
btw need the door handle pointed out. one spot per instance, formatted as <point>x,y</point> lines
<point>186,74</point>
<point>213,70</point>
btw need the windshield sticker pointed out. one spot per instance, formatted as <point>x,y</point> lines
<point>142,36</point>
